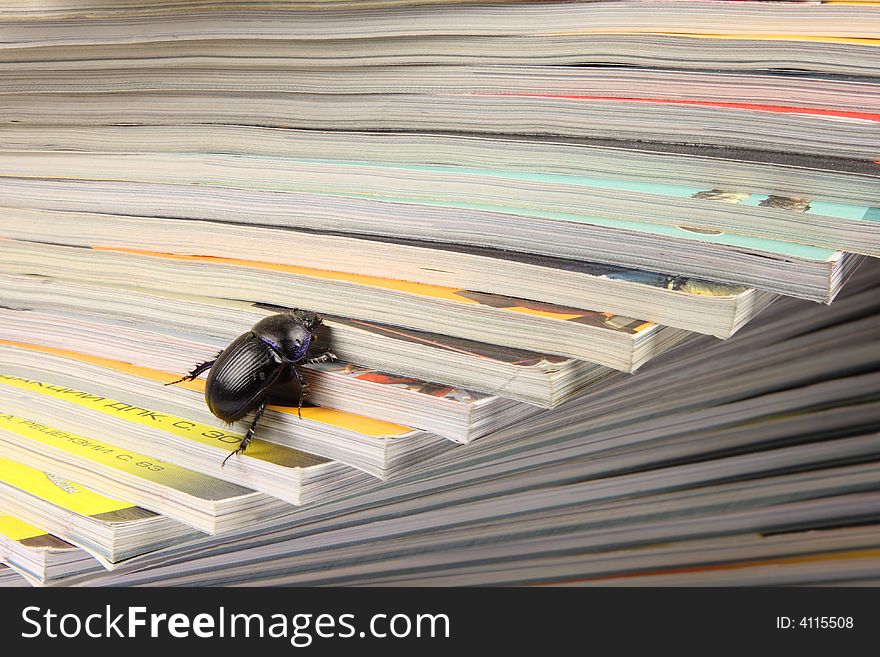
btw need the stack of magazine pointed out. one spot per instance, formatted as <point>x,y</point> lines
<point>599,278</point>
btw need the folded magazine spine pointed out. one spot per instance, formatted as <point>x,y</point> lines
<point>38,556</point>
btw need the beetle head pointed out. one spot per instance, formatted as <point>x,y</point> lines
<point>312,321</point>
<point>289,334</point>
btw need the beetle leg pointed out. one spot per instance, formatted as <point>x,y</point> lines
<point>249,435</point>
<point>303,388</point>
<point>323,358</point>
<point>194,373</point>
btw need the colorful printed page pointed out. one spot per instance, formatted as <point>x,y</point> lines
<point>817,112</point>
<point>739,241</point>
<point>840,210</point>
<point>437,390</point>
<point>523,306</point>
<point>683,284</point>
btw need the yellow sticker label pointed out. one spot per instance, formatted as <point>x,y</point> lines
<point>57,490</point>
<point>18,530</point>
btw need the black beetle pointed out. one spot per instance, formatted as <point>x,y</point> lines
<point>243,374</point>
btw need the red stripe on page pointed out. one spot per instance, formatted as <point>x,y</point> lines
<point>779,109</point>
